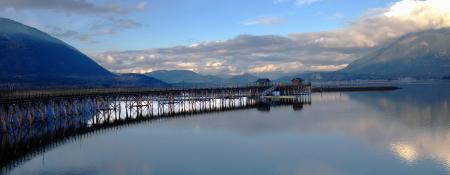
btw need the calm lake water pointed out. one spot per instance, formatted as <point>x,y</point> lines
<point>399,132</point>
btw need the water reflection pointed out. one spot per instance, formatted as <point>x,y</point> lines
<point>416,121</point>
<point>413,123</point>
<point>399,132</point>
<point>23,143</point>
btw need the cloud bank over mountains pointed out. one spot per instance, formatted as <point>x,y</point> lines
<point>297,52</point>
<point>71,6</point>
<point>84,20</point>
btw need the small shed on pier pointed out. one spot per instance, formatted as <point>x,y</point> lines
<point>297,81</point>
<point>263,82</point>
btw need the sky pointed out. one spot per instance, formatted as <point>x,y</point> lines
<point>262,37</point>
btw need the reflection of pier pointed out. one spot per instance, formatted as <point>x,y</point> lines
<point>32,124</point>
<point>23,144</point>
<point>297,101</point>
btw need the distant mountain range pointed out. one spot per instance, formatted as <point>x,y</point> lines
<point>190,78</point>
<point>422,55</point>
<point>242,79</point>
<point>332,76</point>
<point>32,58</point>
<point>419,55</point>
<point>182,76</point>
<point>138,80</point>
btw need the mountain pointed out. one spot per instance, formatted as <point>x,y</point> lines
<point>308,76</point>
<point>331,76</point>
<point>242,79</point>
<point>421,55</point>
<point>30,58</point>
<point>138,80</point>
<point>26,52</point>
<point>188,78</point>
<point>183,76</point>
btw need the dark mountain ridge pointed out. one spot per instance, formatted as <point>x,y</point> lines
<point>138,80</point>
<point>28,52</point>
<point>30,58</point>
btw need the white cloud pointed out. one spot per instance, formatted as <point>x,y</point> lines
<point>264,68</point>
<point>328,67</point>
<point>246,53</point>
<point>380,25</point>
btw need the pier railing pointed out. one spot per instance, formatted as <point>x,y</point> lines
<point>13,95</point>
<point>33,94</point>
<point>22,108</point>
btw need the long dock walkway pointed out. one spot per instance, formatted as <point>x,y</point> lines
<point>31,124</point>
<point>25,108</point>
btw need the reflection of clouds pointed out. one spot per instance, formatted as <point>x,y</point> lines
<point>75,158</point>
<point>419,127</point>
<point>413,114</point>
<point>409,130</point>
<point>407,152</point>
<point>417,130</point>
<point>427,145</point>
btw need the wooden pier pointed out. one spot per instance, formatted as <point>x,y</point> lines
<point>25,108</point>
<point>33,122</point>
